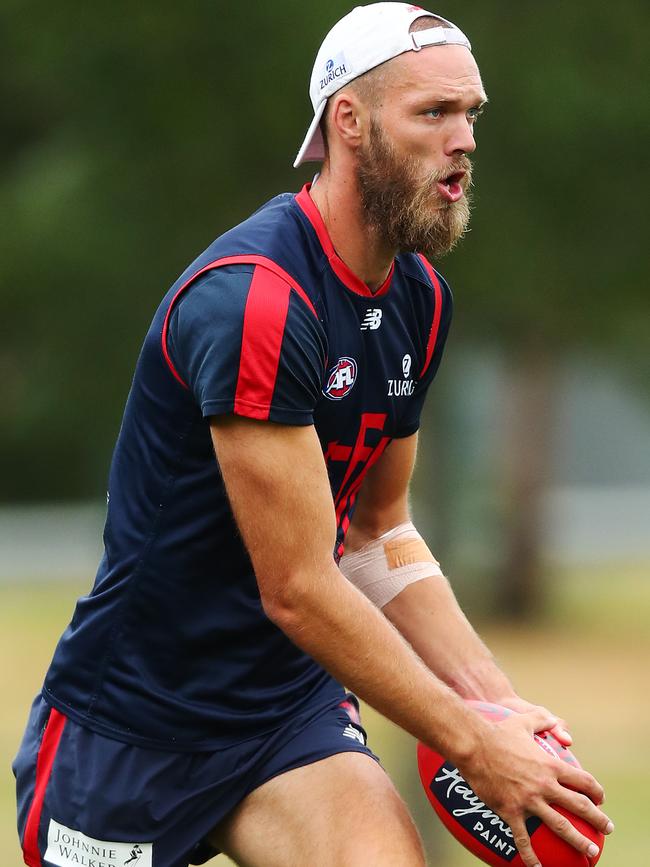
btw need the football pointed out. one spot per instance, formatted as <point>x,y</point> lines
<point>483,832</point>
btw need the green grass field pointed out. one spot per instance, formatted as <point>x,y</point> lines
<point>587,661</point>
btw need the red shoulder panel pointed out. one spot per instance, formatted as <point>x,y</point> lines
<point>437,313</point>
<point>265,316</point>
<point>262,261</point>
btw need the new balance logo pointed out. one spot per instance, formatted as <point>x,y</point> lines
<point>351,732</point>
<point>372,319</point>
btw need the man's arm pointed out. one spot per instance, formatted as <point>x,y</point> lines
<point>427,613</point>
<point>279,491</point>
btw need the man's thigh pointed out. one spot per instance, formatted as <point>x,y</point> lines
<point>339,811</point>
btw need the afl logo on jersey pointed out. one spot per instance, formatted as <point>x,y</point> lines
<point>341,379</point>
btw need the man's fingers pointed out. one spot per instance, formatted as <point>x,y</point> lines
<point>560,825</point>
<point>521,840</point>
<point>584,808</point>
<point>538,719</point>
<point>560,734</point>
<point>558,728</point>
<point>580,781</point>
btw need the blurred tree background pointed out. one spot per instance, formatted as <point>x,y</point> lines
<point>134,133</point>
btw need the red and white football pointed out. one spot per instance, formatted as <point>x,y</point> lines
<point>483,832</point>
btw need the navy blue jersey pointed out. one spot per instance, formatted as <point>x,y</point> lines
<point>172,648</point>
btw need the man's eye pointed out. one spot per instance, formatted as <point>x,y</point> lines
<point>474,113</point>
<point>434,112</point>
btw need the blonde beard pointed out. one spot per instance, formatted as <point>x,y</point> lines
<point>401,207</point>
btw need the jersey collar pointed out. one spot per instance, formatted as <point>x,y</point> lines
<point>347,276</point>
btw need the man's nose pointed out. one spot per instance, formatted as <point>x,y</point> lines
<point>461,137</point>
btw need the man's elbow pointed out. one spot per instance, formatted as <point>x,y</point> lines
<point>281,599</point>
<point>290,596</point>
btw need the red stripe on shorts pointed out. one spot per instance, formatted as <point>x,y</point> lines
<point>265,316</point>
<point>46,754</point>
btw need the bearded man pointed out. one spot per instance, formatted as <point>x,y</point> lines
<point>195,702</point>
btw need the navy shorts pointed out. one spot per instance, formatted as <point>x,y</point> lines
<point>85,800</point>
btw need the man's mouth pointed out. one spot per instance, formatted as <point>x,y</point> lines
<point>450,187</point>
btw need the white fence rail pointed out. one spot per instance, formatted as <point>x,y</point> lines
<point>582,526</point>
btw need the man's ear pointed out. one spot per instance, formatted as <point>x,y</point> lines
<point>347,119</point>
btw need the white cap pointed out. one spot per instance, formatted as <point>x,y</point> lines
<point>365,38</point>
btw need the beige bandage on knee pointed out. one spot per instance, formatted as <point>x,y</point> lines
<point>385,566</point>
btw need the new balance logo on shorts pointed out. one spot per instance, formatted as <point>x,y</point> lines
<point>372,319</point>
<point>352,732</point>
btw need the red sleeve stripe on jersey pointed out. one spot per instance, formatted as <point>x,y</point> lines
<point>265,316</point>
<point>44,762</point>
<point>265,263</point>
<point>437,313</point>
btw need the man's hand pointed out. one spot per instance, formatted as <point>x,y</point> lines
<point>517,779</point>
<point>559,730</point>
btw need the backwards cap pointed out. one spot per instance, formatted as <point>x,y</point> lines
<point>360,41</point>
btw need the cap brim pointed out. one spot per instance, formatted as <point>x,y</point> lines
<point>313,147</point>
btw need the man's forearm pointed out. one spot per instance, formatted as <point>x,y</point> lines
<point>428,616</point>
<point>332,621</point>
<point>424,609</point>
